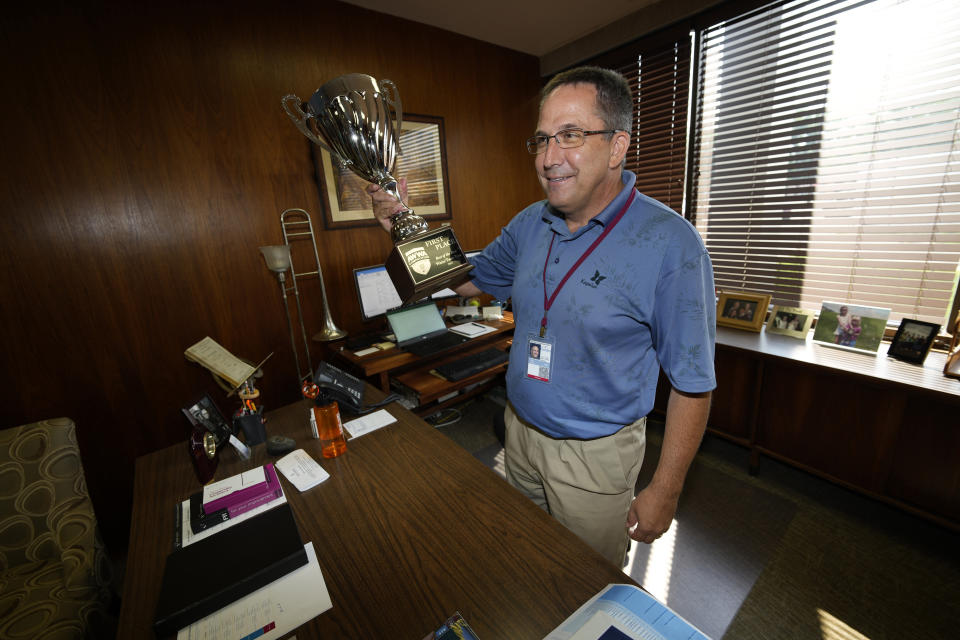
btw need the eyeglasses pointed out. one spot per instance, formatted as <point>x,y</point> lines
<point>566,139</point>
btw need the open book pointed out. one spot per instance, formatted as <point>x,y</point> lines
<point>221,362</point>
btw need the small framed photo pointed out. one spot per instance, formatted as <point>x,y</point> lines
<point>790,321</point>
<point>851,326</point>
<point>742,309</point>
<point>913,340</point>
<point>205,414</point>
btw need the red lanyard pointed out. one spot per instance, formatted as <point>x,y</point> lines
<point>548,302</point>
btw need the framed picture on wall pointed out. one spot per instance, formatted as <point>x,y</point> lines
<point>850,326</point>
<point>790,321</point>
<point>422,161</point>
<point>913,340</point>
<point>742,309</point>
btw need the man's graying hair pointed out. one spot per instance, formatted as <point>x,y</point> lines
<point>614,102</point>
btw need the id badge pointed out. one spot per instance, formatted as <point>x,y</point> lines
<point>539,358</point>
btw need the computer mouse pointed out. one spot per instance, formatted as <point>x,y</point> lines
<point>278,445</point>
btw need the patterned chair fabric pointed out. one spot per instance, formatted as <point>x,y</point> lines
<point>55,575</point>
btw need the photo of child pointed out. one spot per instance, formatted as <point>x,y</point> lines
<point>851,326</point>
<point>849,332</point>
<point>843,324</point>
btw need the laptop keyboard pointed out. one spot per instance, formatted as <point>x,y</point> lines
<point>434,345</point>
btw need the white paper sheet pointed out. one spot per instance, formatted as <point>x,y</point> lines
<point>368,423</point>
<point>472,329</point>
<point>301,470</point>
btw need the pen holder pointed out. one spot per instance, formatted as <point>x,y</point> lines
<point>252,426</point>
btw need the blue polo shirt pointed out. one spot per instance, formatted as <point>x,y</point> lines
<point>642,300</point>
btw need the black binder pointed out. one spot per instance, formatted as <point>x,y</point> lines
<point>216,571</point>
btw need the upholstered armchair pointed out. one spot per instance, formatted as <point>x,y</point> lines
<point>54,572</point>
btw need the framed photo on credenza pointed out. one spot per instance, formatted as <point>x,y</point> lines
<point>850,326</point>
<point>913,340</point>
<point>742,309</point>
<point>790,321</point>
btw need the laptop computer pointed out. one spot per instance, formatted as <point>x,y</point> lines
<point>420,329</point>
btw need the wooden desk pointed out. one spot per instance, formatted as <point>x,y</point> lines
<point>408,529</point>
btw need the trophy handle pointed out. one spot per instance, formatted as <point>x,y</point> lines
<point>392,97</point>
<point>300,118</point>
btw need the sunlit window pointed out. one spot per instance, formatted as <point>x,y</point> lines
<point>828,157</point>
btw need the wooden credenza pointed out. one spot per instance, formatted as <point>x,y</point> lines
<point>886,428</point>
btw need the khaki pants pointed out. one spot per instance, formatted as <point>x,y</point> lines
<point>585,484</point>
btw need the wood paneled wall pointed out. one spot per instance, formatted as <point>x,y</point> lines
<point>146,157</point>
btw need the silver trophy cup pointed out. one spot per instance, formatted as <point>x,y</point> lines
<point>358,120</point>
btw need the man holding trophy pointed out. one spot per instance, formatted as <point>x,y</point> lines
<point>611,286</point>
<point>358,121</point>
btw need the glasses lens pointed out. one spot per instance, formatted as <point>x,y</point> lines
<point>537,144</point>
<point>569,138</point>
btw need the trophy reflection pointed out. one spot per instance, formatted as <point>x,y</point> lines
<point>358,120</point>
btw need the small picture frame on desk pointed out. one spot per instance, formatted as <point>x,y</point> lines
<point>742,309</point>
<point>913,340</point>
<point>790,321</point>
<point>852,327</point>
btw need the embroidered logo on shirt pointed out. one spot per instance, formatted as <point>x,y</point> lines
<point>595,280</point>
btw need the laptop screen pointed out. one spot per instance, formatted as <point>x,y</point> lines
<point>412,322</point>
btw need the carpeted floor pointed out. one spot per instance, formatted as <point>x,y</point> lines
<point>777,555</point>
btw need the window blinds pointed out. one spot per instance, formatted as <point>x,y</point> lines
<point>827,153</point>
<point>659,80</point>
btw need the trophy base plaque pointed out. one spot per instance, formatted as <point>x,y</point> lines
<point>426,263</point>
